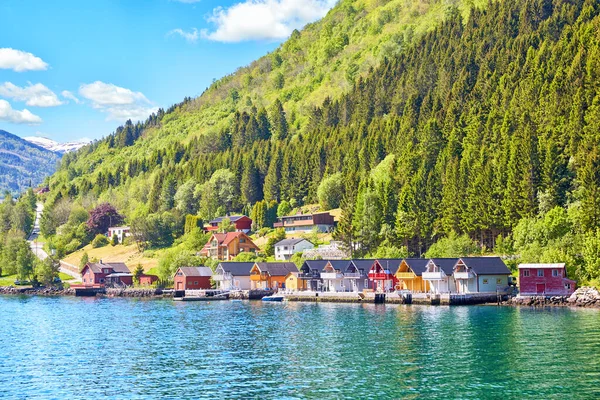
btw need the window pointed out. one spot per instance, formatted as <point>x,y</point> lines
<point>285,247</point>
<point>499,281</point>
<point>554,272</point>
<point>525,272</point>
<point>366,283</point>
<point>242,240</point>
<point>195,282</point>
<point>180,273</point>
<point>101,280</point>
<point>568,286</point>
<point>540,272</point>
<point>485,281</point>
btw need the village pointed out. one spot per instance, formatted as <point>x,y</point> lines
<point>328,274</point>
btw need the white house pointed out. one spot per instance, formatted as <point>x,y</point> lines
<point>439,274</point>
<point>233,275</point>
<point>121,231</point>
<point>332,276</point>
<point>285,249</point>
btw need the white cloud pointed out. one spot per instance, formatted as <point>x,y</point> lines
<point>119,103</point>
<point>264,19</point>
<point>36,95</point>
<point>69,95</point>
<point>20,61</point>
<point>7,113</point>
<point>191,36</point>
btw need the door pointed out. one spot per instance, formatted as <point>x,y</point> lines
<point>540,288</point>
<point>179,285</point>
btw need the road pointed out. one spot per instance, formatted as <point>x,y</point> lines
<point>38,248</point>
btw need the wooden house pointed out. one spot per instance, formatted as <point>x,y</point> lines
<point>241,222</point>
<point>148,280</point>
<point>189,278</point>
<point>292,282</point>
<point>322,222</point>
<point>226,246</point>
<point>106,274</point>
<point>270,275</point>
<point>481,275</point>
<point>438,275</point>
<point>332,276</point>
<point>310,273</point>
<point>356,275</point>
<point>545,279</point>
<point>382,274</point>
<point>233,275</point>
<point>410,275</point>
<point>285,249</point>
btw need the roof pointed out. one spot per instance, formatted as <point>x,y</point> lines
<point>339,264</point>
<point>119,227</point>
<point>363,264</point>
<point>315,265</point>
<point>305,215</point>
<point>540,266</point>
<point>445,264</point>
<point>116,267</point>
<point>232,218</point>
<point>277,268</point>
<point>417,265</point>
<point>118,275</point>
<point>391,264</point>
<point>237,268</point>
<point>196,271</point>
<point>486,265</point>
<point>291,242</point>
<point>225,238</point>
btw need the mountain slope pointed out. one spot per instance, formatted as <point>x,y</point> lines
<point>54,146</point>
<point>23,164</point>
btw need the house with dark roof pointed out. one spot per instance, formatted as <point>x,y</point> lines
<point>439,275</point>
<point>233,275</point>
<point>332,276</point>
<point>225,246</point>
<point>285,249</point>
<point>322,222</point>
<point>241,222</point>
<point>106,274</point>
<point>382,275</point>
<point>356,275</point>
<point>310,273</point>
<point>410,275</point>
<point>189,278</point>
<point>481,275</point>
<point>270,275</point>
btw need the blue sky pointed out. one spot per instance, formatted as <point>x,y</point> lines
<point>71,69</point>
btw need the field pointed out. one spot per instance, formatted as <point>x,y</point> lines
<point>127,254</point>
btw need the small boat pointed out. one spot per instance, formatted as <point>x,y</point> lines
<point>275,297</point>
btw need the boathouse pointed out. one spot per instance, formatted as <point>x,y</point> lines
<point>190,278</point>
<point>310,273</point>
<point>356,276</point>
<point>383,274</point>
<point>545,279</point>
<point>233,275</point>
<point>439,275</point>
<point>333,277</point>
<point>148,280</point>
<point>410,275</point>
<point>270,275</point>
<point>481,275</point>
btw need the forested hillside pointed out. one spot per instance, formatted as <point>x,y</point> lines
<point>22,164</point>
<point>487,126</point>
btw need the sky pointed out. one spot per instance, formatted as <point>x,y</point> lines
<point>72,69</point>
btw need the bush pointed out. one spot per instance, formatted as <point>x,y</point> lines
<point>73,246</point>
<point>99,241</point>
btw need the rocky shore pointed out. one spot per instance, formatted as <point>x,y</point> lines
<point>56,291</point>
<point>583,297</point>
<point>137,293</point>
<point>43,291</point>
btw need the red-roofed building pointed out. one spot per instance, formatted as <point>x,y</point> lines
<point>241,223</point>
<point>106,274</point>
<point>188,278</point>
<point>225,246</point>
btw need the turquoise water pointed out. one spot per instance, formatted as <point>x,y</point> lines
<point>120,348</point>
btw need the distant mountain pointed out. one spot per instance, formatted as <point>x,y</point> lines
<point>56,147</point>
<point>23,163</point>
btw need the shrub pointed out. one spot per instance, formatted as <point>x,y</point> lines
<point>99,241</point>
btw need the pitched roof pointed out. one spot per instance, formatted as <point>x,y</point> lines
<point>237,268</point>
<point>232,218</point>
<point>224,239</point>
<point>196,271</point>
<point>486,265</point>
<point>363,264</point>
<point>315,265</point>
<point>339,264</point>
<point>445,264</point>
<point>291,242</point>
<point>417,265</point>
<point>391,264</point>
<point>116,267</point>
<point>540,266</point>
<point>277,268</point>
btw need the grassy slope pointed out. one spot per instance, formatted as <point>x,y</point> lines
<point>127,254</point>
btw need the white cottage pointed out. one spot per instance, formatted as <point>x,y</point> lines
<point>285,249</point>
<point>233,275</point>
<point>439,274</point>
<point>332,276</point>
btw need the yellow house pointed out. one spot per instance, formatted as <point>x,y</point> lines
<point>293,283</point>
<point>410,275</point>
<point>270,276</point>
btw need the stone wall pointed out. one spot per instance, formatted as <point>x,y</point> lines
<point>50,291</point>
<point>582,297</point>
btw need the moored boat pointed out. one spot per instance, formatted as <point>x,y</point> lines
<point>275,297</point>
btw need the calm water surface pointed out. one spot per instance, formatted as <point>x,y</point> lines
<point>85,348</point>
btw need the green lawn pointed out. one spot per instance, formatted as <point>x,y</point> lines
<point>8,280</point>
<point>65,277</point>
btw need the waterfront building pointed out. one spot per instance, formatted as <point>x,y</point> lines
<point>106,274</point>
<point>439,275</point>
<point>310,273</point>
<point>481,275</point>
<point>332,276</point>
<point>189,278</point>
<point>356,275</point>
<point>233,275</point>
<point>270,275</point>
<point>241,222</point>
<point>226,246</point>
<point>285,249</point>
<point>382,274</point>
<point>322,222</point>
<point>292,282</point>
<point>148,280</point>
<point>410,275</point>
<point>545,279</point>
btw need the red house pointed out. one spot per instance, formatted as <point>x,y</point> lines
<point>545,279</point>
<point>147,280</point>
<point>106,274</point>
<point>382,274</point>
<point>241,222</point>
<point>188,278</point>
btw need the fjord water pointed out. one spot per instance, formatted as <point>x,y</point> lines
<point>120,348</point>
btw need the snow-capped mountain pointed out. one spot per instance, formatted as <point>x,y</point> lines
<point>56,147</point>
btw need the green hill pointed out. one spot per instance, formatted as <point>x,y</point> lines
<point>428,120</point>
